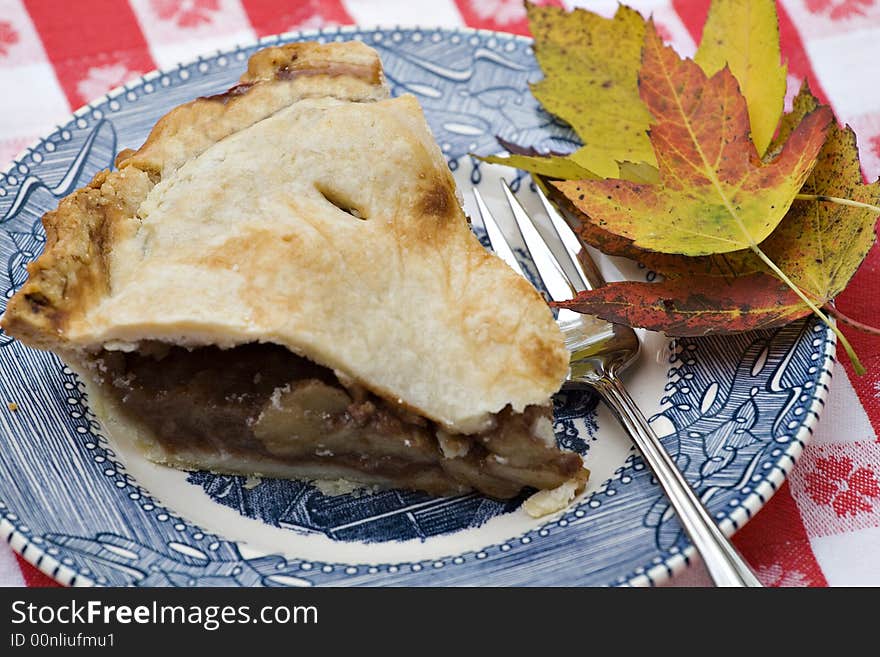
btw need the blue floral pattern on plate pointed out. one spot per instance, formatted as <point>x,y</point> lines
<point>741,406</point>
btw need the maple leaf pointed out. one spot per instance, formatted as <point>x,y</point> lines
<point>714,195</point>
<point>591,67</point>
<point>760,241</point>
<point>700,305</point>
<point>830,227</point>
<point>594,87</point>
<point>744,35</point>
<point>824,236</point>
<point>819,245</point>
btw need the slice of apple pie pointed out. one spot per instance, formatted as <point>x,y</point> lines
<point>281,282</point>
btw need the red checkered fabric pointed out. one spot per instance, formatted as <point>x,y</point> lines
<point>823,527</point>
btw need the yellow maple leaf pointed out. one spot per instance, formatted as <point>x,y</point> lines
<point>820,244</point>
<point>715,195</point>
<point>591,66</point>
<point>744,35</point>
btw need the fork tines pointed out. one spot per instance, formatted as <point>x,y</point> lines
<point>554,257</point>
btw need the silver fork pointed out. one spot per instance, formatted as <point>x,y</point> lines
<point>600,351</point>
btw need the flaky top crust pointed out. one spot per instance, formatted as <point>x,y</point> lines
<point>305,208</point>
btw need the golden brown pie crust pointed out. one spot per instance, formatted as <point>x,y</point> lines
<point>406,302</point>
<point>304,208</point>
<point>72,272</point>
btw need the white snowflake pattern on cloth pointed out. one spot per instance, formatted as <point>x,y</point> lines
<point>776,575</point>
<point>839,9</point>
<point>877,389</point>
<point>101,79</point>
<point>8,37</point>
<point>503,12</point>
<point>186,13</point>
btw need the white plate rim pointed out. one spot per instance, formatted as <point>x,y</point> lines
<point>658,573</point>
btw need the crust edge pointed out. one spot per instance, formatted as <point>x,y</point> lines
<point>71,273</point>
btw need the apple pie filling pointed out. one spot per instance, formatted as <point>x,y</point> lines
<point>262,404</point>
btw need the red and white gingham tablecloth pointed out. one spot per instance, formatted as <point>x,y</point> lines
<point>823,526</point>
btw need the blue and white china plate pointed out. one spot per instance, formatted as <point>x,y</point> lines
<point>735,411</point>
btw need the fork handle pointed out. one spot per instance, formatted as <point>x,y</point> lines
<point>724,563</point>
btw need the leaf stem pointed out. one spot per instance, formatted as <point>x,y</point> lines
<point>857,365</point>
<point>838,200</point>
<point>849,321</point>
